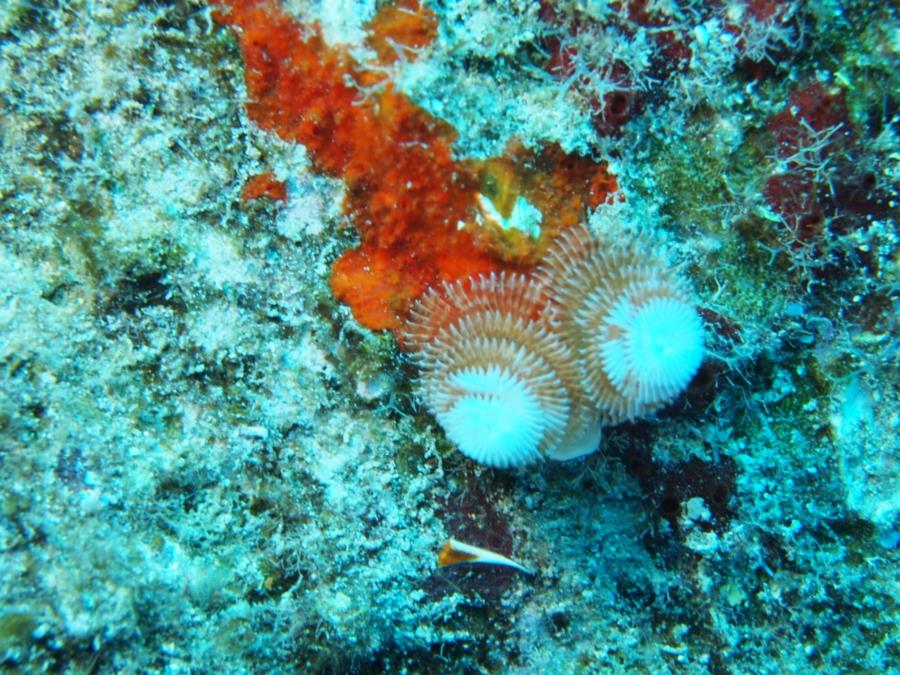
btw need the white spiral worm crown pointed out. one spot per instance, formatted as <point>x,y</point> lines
<point>505,389</point>
<point>630,319</point>
<point>517,368</point>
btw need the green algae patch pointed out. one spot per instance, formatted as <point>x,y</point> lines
<point>16,629</point>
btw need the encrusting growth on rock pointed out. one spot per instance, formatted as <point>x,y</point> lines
<point>514,368</point>
<point>418,209</point>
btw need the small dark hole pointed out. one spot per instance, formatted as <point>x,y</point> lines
<point>669,506</point>
<point>618,104</point>
<point>719,495</point>
<point>809,225</point>
<point>638,466</point>
<point>703,380</point>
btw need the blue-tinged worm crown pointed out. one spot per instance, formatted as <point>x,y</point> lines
<point>503,387</point>
<point>628,316</point>
<point>517,368</point>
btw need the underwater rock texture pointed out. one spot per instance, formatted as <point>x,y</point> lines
<point>206,464</point>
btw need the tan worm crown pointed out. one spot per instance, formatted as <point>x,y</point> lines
<point>502,386</point>
<point>517,368</point>
<point>627,315</point>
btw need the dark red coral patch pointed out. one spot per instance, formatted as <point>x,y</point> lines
<point>812,134</point>
<point>815,120</point>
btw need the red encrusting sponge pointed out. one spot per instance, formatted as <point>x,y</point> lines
<point>415,207</point>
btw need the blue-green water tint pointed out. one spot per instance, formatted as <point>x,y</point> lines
<point>206,465</point>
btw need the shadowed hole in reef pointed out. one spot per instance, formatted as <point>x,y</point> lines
<point>470,516</point>
<point>147,289</point>
<point>666,488</point>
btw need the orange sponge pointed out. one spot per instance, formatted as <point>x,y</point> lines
<point>415,207</point>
